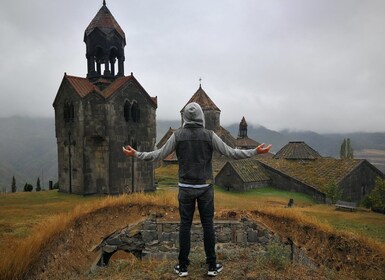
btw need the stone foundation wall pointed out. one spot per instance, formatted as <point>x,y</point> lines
<point>157,239</point>
<point>162,238</point>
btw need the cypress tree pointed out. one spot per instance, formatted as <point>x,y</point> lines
<point>349,149</point>
<point>13,187</point>
<point>343,149</point>
<point>38,188</point>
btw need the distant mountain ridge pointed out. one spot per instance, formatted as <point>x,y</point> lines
<point>28,146</point>
<point>326,144</point>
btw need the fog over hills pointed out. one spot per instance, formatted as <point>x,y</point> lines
<point>325,144</point>
<point>27,151</point>
<point>28,146</point>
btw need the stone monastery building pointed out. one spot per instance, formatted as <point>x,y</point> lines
<point>96,115</point>
<point>296,167</point>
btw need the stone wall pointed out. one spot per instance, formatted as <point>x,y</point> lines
<point>98,131</point>
<point>157,239</point>
<point>162,238</point>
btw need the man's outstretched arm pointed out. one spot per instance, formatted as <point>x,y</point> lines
<point>224,149</point>
<point>159,154</point>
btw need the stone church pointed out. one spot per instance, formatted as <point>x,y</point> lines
<point>96,115</point>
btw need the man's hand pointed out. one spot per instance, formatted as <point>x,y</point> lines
<point>263,150</point>
<point>128,151</point>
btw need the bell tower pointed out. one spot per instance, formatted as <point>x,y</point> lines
<point>105,42</point>
<point>242,128</point>
<point>98,114</point>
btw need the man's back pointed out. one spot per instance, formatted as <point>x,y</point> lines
<point>194,150</point>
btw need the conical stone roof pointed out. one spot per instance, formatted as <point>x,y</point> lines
<point>201,97</point>
<point>105,21</point>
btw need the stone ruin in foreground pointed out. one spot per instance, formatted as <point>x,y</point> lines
<point>154,238</point>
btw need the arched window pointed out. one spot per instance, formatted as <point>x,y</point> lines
<point>99,58</point>
<point>112,60</point>
<point>127,111</point>
<point>135,112</point>
<point>66,112</point>
<point>69,112</point>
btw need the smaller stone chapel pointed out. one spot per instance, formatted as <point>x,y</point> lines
<point>98,114</point>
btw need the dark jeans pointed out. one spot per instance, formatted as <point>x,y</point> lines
<point>205,199</point>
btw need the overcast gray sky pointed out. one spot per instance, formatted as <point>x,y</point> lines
<point>296,64</point>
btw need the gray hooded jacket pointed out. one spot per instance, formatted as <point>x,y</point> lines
<point>194,146</point>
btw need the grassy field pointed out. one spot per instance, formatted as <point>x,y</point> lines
<point>22,213</point>
<point>362,222</point>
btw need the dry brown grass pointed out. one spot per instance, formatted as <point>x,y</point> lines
<point>20,259</point>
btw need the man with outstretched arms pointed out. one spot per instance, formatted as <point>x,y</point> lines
<point>194,146</point>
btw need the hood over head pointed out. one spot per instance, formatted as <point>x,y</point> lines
<point>193,115</point>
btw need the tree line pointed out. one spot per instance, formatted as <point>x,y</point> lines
<point>29,187</point>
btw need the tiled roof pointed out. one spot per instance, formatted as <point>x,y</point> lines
<point>152,100</point>
<point>105,21</point>
<point>201,97</point>
<point>250,170</point>
<point>82,85</point>
<point>246,142</point>
<point>315,173</point>
<point>297,150</point>
<point>226,136</point>
<point>115,85</point>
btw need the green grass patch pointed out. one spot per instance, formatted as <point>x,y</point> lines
<point>268,191</point>
<point>167,182</point>
<point>269,194</point>
<point>167,176</point>
<point>361,222</point>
